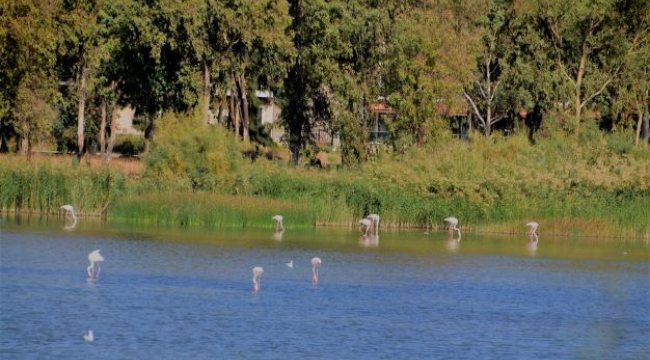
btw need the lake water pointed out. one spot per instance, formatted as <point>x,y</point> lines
<point>187,294</point>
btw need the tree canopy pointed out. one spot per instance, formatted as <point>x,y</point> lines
<point>548,64</point>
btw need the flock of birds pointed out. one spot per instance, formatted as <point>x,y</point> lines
<point>368,226</point>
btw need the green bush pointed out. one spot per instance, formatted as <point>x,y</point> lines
<point>129,145</point>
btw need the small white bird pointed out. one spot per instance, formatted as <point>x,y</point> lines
<point>289,264</point>
<point>94,258</point>
<point>89,337</point>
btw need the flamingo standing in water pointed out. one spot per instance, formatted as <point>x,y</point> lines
<point>257,275</point>
<point>375,221</point>
<point>533,228</point>
<point>315,265</point>
<point>453,225</point>
<point>278,223</point>
<point>94,258</point>
<point>69,213</point>
<point>364,226</point>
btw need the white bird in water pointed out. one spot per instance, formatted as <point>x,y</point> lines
<point>315,265</point>
<point>364,226</point>
<point>533,228</point>
<point>94,258</point>
<point>89,337</point>
<point>375,221</point>
<point>289,264</point>
<point>69,215</point>
<point>278,223</point>
<point>453,225</point>
<point>257,275</point>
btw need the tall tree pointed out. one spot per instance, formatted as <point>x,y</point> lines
<point>587,42</point>
<point>26,72</point>
<point>80,52</point>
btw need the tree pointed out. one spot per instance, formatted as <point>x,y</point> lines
<point>81,49</point>
<point>257,46</point>
<point>486,94</point>
<point>587,42</point>
<point>29,84</point>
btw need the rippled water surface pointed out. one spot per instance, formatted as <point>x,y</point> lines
<point>172,294</point>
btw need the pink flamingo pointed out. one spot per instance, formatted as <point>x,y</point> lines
<point>375,221</point>
<point>94,258</point>
<point>315,265</point>
<point>533,228</point>
<point>364,226</point>
<point>453,225</point>
<point>278,223</point>
<point>257,274</point>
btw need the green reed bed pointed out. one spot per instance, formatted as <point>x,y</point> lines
<point>26,187</point>
<point>201,209</point>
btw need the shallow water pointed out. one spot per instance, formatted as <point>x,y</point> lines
<point>176,294</point>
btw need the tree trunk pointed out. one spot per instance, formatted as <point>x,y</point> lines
<point>578,89</point>
<point>244,110</point>
<point>219,112</point>
<point>80,113</point>
<point>111,138</point>
<point>149,132</point>
<point>102,131</point>
<point>206,93</point>
<point>234,105</point>
<point>646,125</point>
<point>24,143</point>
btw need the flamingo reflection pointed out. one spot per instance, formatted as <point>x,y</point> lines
<point>453,243</point>
<point>369,240</point>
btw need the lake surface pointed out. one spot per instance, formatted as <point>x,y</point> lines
<point>187,294</point>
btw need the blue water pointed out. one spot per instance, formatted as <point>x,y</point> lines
<point>188,295</point>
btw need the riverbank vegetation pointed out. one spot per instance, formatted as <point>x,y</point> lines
<point>194,177</point>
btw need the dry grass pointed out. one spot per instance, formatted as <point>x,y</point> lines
<point>129,166</point>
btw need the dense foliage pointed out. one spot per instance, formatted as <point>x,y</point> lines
<point>551,65</point>
<point>597,186</point>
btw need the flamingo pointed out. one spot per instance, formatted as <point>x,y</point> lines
<point>289,264</point>
<point>364,226</point>
<point>94,258</point>
<point>278,223</point>
<point>315,265</point>
<point>375,221</point>
<point>89,337</point>
<point>69,210</point>
<point>257,274</point>
<point>453,225</point>
<point>533,227</point>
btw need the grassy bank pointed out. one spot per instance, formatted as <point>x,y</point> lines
<point>571,187</point>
